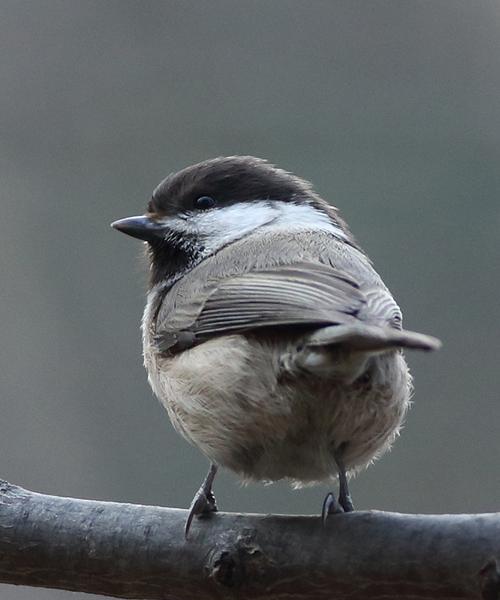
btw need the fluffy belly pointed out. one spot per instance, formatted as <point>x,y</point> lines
<point>231,401</point>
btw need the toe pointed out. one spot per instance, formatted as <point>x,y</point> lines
<point>202,505</point>
<point>330,507</point>
<point>346,503</point>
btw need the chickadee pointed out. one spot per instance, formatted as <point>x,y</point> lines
<point>269,338</point>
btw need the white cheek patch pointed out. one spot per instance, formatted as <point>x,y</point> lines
<point>220,226</point>
<point>300,217</point>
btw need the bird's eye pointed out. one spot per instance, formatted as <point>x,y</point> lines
<point>204,202</point>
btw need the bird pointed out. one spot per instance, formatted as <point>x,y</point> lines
<point>268,336</point>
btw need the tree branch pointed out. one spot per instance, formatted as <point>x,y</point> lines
<point>133,551</point>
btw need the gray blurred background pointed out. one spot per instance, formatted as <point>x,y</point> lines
<point>392,108</point>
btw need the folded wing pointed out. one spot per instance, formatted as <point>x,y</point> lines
<point>303,294</point>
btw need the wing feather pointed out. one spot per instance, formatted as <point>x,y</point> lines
<point>300,294</point>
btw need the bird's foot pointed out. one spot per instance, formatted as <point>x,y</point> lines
<point>203,505</point>
<point>345,502</point>
<point>330,507</point>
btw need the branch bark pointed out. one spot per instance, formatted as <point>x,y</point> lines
<point>133,551</point>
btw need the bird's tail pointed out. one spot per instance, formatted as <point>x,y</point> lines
<point>371,338</point>
<point>343,351</point>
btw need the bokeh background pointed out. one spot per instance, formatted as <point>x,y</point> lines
<point>390,107</point>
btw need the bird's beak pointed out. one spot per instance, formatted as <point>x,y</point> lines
<point>142,227</point>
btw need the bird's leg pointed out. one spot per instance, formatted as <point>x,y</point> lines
<point>345,500</point>
<point>344,504</point>
<point>204,500</point>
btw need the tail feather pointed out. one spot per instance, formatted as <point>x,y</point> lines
<point>371,338</point>
<point>343,351</point>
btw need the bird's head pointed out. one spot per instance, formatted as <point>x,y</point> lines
<point>199,210</point>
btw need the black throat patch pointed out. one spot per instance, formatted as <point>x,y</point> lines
<point>172,256</point>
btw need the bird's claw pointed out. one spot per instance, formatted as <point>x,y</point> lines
<point>345,502</point>
<point>203,504</point>
<point>330,507</point>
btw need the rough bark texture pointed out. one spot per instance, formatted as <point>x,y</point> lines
<point>132,551</point>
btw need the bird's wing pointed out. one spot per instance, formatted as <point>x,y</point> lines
<point>306,294</point>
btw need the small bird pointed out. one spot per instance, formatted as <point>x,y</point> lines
<point>268,336</point>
